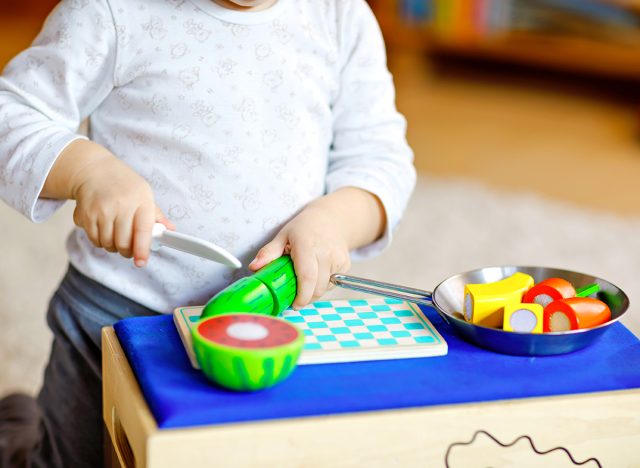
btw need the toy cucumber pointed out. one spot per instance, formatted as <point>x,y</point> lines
<point>246,352</point>
<point>269,291</point>
<point>280,277</point>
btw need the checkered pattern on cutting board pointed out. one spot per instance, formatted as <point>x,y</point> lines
<point>364,329</point>
<point>349,331</point>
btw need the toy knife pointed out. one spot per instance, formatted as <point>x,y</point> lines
<point>161,236</point>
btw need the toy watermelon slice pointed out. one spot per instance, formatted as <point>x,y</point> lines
<point>246,352</point>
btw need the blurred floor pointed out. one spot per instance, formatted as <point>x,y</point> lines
<point>566,137</point>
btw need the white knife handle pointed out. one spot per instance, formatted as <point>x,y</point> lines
<point>156,235</point>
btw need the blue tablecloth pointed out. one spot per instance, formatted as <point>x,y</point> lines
<point>180,396</point>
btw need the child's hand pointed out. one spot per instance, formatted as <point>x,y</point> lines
<point>116,208</point>
<point>114,205</point>
<point>320,237</point>
<point>317,247</point>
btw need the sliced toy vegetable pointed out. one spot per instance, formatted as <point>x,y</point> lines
<point>549,290</point>
<point>269,291</point>
<point>574,313</point>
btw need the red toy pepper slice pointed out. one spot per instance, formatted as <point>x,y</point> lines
<point>574,313</point>
<point>549,290</point>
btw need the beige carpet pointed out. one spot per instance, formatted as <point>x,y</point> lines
<point>451,226</point>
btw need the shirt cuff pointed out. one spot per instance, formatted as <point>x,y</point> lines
<point>41,209</point>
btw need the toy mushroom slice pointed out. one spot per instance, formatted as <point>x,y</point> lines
<point>246,352</point>
<point>574,313</point>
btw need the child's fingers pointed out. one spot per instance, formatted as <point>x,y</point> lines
<point>90,226</point>
<point>322,284</point>
<point>270,252</point>
<point>104,225</point>
<point>306,267</point>
<point>122,235</point>
<point>143,222</point>
<point>161,218</point>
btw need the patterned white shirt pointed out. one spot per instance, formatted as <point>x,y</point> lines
<point>236,119</point>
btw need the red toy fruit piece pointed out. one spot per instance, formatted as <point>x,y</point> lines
<point>248,331</point>
<point>574,313</point>
<point>549,290</point>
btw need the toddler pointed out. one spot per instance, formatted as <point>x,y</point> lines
<point>265,126</point>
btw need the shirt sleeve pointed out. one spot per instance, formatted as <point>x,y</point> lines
<point>45,92</point>
<point>369,149</point>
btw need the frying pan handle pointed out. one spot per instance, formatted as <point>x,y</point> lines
<point>383,289</point>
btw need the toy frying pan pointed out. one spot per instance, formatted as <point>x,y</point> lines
<point>447,299</point>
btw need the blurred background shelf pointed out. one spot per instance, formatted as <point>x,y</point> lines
<point>28,8</point>
<point>586,36</point>
<point>20,21</point>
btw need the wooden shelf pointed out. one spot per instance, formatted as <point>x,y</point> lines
<point>16,33</point>
<point>561,53</point>
<point>30,8</point>
<point>567,53</point>
<point>20,22</point>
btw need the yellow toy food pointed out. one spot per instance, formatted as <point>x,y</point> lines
<point>484,303</point>
<point>523,318</point>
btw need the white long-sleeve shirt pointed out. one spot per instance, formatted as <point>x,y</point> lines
<point>236,119</point>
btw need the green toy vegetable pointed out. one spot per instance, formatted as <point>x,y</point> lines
<point>268,292</point>
<point>236,344</point>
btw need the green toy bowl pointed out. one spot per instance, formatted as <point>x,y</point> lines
<point>246,352</point>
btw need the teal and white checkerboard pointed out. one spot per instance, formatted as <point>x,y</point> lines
<point>363,330</point>
<point>350,330</point>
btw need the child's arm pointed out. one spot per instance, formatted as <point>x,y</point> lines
<point>320,237</point>
<point>370,175</point>
<point>114,205</point>
<point>45,92</point>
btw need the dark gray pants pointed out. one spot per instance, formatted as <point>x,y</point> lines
<point>63,427</point>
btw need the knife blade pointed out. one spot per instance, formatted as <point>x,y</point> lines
<point>161,236</point>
